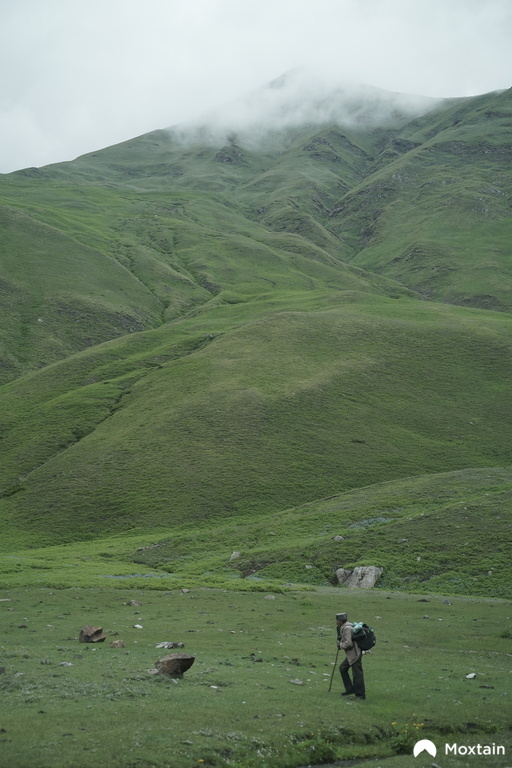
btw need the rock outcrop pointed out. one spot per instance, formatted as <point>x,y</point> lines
<point>362,577</point>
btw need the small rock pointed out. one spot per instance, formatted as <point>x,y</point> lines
<point>117,644</point>
<point>269,597</point>
<point>184,591</point>
<point>470,676</point>
<point>234,556</point>
<point>90,634</point>
<point>426,616</point>
<point>338,538</point>
<point>296,681</point>
<point>170,645</point>
<point>138,626</point>
<point>65,664</point>
<point>133,602</point>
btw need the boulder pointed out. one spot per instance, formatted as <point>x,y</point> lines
<point>342,574</point>
<point>174,664</point>
<point>90,634</point>
<point>362,577</point>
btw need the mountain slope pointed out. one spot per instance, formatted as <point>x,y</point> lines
<point>449,180</point>
<point>196,332</point>
<point>290,407</point>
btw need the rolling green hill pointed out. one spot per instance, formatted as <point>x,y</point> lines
<point>197,334</point>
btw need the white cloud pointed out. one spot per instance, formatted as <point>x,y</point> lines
<point>78,76</point>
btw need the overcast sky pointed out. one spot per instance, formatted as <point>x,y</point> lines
<point>79,75</point>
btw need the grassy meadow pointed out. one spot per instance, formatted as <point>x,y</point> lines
<point>257,694</point>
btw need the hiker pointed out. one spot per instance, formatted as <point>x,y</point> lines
<point>353,659</point>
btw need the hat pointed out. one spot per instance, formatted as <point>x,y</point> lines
<point>341,617</point>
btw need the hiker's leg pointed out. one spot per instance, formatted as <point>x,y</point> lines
<point>347,682</point>
<point>357,673</point>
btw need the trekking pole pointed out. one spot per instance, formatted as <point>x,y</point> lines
<point>332,675</point>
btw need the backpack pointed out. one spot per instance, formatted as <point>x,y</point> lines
<point>363,635</point>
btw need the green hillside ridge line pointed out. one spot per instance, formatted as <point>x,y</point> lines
<point>388,524</point>
<point>254,423</point>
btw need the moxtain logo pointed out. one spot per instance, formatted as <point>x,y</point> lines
<point>424,745</point>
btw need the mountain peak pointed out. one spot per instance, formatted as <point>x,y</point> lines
<point>301,97</point>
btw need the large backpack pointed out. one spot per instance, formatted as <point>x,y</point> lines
<point>363,635</point>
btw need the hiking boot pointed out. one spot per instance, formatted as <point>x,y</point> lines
<point>347,693</point>
<point>360,696</point>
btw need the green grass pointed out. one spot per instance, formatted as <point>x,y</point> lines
<point>289,408</point>
<point>447,533</point>
<point>236,705</point>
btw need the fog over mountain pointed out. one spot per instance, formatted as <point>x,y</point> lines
<point>303,97</point>
<point>78,77</point>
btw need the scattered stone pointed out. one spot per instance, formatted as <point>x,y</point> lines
<point>152,671</point>
<point>338,538</point>
<point>117,644</point>
<point>175,664</point>
<point>90,634</point>
<point>471,676</point>
<point>133,602</point>
<point>426,616</point>
<point>296,681</point>
<point>65,664</point>
<point>309,566</point>
<point>170,645</point>
<point>234,556</point>
<point>423,600</point>
<point>138,626</point>
<point>269,597</point>
<point>184,591</point>
<point>446,602</point>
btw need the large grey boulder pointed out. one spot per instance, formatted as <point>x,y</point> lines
<point>362,577</point>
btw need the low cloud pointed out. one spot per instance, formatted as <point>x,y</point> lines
<point>301,97</point>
